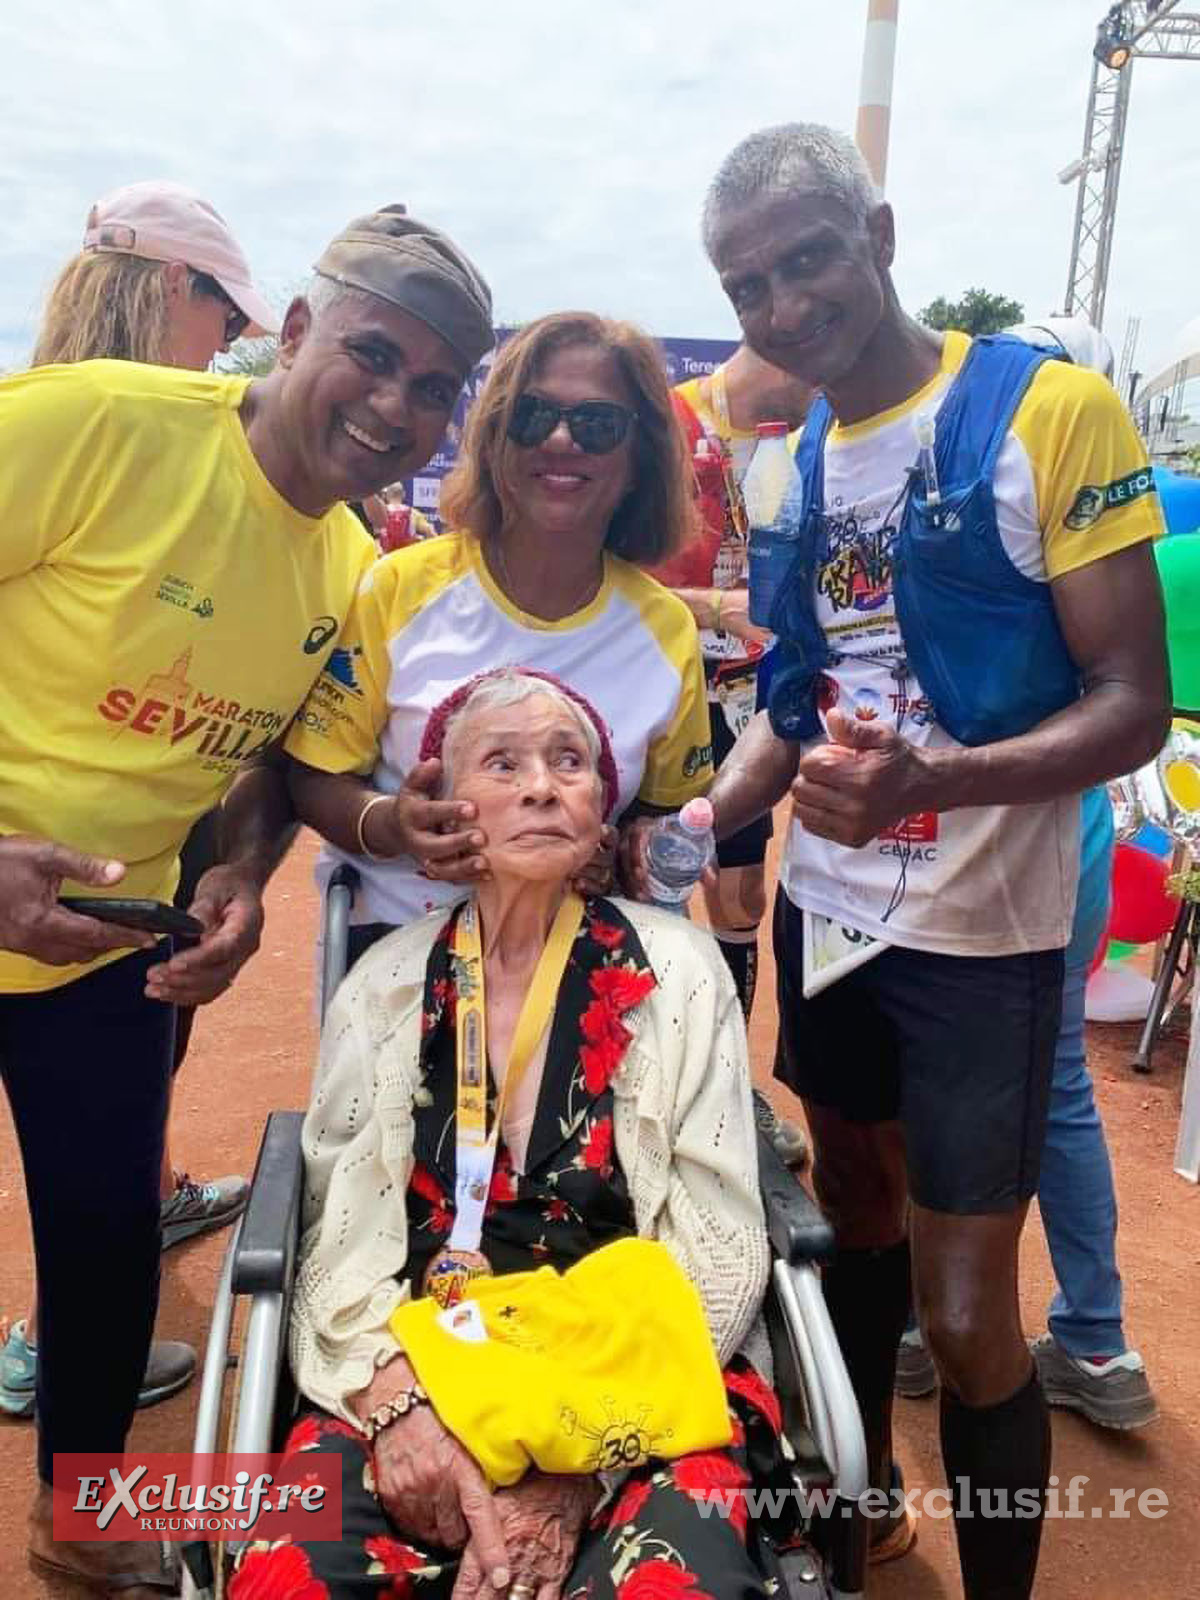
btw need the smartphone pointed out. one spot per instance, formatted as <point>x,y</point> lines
<point>148,916</point>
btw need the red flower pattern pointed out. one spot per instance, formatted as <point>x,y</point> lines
<point>622,987</point>
<point>596,1145</point>
<point>280,1573</point>
<point>606,934</point>
<point>423,1182</point>
<point>306,1435</point>
<point>747,1383</point>
<point>396,1559</point>
<point>660,1580</point>
<point>502,1190</point>
<point>630,1501</point>
<point>714,1473</point>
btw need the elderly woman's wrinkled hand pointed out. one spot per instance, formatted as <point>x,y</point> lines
<point>434,1493</point>
<point>543,1518</point>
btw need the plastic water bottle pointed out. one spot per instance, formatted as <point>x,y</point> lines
<point>768,489</point>
<point>679,849</point>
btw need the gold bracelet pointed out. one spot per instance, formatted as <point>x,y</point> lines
<point>363,848</point>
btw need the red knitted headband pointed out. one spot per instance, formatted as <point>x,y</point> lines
<point>434,736</point>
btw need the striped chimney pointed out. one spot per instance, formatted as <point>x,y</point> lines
<point>875,96</point>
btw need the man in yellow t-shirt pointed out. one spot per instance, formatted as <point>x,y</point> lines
<point>1026,590</point>
<point>175,570</point>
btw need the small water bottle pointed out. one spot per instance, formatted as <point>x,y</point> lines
<point>678,851</point>
<point>768,490</point>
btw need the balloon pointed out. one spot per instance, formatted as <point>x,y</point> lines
<point>1120,950</point>
<point>1179,571</point>
<point>1157,840</point>
<point>1179,497</point>
<point>1142,909</point>
<point>1117,994</point>
<point>1128,811</point>
<point>1179,773</point>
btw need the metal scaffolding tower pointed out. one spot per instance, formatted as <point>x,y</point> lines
<point>1156,31</point>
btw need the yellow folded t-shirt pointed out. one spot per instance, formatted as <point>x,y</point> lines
<point>593,1370</point>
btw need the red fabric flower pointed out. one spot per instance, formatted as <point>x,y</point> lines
<point>502,1191</point>
<point>630,1501</point>
<point>557,1211</point>
<point>715,1475</point>
<point>600,1063</point>
<point>659,1580</point>
<point>606,934</point>
<point>280,1573</point>
<point>397,1560</point>
<point>601,1024</point>
<point>746,1382</point>
<point>306,1435</point>
<point>623,987</point>
<point>596,1145</point>
<point>423,1182</point>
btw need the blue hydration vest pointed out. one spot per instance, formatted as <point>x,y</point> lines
<point>981,637</point>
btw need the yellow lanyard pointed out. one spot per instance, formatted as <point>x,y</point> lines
<point>471,1024</point>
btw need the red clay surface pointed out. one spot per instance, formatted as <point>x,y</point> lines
<point>253,1051</point>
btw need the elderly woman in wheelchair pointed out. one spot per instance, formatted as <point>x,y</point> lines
<point>535,1080</point>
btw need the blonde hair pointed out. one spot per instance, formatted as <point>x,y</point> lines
<point>105,304</point>
<point>657,516</point>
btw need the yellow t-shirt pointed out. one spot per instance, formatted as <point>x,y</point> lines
<point>429,617</point>
<point>163,610</point>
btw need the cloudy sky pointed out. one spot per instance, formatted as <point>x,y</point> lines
<point>567,143</point>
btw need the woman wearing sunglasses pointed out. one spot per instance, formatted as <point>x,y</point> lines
<point>572,469</point>
<point>159,279</point>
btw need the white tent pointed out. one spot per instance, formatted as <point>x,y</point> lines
<point>1183,350</point>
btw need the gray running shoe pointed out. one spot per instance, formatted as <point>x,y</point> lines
<point>916,1374</point>
<point>169,1368</point>
<point>1112,1394</point>
<point>200,1207</point>
<point>788,1140</point>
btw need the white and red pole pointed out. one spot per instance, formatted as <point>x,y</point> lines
<point>875,95</point>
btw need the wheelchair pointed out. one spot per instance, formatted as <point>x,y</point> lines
<point>821,1419</point>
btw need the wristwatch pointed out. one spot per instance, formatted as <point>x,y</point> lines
<point>392,1410</point>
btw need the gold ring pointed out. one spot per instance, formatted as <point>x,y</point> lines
<point>521,1591</point>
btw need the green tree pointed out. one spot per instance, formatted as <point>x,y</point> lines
<point>975,312</point>
<point>249,358</point>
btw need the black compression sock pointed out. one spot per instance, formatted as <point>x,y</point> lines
<point>740,949</point>
<point>997,1461</point>
<point>868,1293</point>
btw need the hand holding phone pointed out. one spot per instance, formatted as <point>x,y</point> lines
<point>147,916</point>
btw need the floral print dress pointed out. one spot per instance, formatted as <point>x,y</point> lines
<point>648,1541</point>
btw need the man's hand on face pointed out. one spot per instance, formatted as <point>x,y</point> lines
<point>864,780</point>
<point>437,834</point>
<point>228,901</point>
<point>31,921</point>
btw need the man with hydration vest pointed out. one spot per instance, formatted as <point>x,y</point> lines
<point>970,635</point>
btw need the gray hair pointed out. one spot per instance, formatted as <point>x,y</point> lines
<point>510,688</point>
<point>323,293</point>
<point>774,160</point>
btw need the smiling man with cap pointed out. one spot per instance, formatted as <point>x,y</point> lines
<point>177,566</point>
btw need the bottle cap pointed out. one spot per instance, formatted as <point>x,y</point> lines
<point>697,815</point>
<point>771,430</point>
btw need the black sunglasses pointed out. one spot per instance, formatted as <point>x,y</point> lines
<point>236,320</point>
<point>596,426</point>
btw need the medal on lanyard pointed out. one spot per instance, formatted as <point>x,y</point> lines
<point>718,396</point>
<point>453,1267</point>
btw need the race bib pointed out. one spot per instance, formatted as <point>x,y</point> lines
<point>832,950</point>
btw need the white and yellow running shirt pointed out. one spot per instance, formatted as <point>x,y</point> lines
<point>430,617</point>
<point>163,612</point>
<point>1072,485</point>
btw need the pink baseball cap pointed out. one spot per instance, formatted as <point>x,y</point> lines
<point>166,222</point>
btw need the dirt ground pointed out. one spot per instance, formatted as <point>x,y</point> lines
<point>253,1051</point>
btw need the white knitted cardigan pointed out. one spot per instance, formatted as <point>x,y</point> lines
<point>683,1130</point>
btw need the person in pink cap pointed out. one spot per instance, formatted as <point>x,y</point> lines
<point>177,566</point>
<point>160,278</point>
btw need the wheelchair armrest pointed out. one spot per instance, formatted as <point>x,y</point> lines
<point>344,876</point>
<point>798,1231</point>
<point>266,1250</point>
